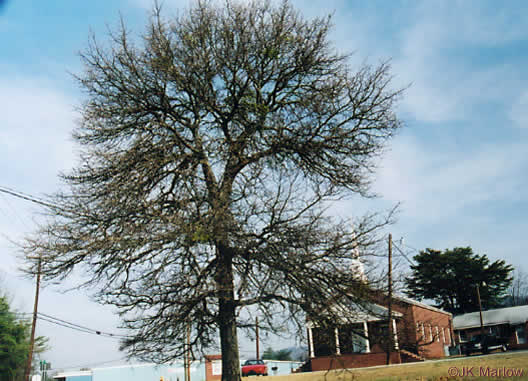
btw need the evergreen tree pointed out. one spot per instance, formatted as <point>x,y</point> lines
<point>451,277</point>
<point>14,343</point>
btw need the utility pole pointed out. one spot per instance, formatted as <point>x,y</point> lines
<point>389,303</point>
<point>480,311</point>
<point>257,336</point>
<point>187,358</point>
<point>34,323</point>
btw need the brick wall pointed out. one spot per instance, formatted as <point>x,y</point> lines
<point>433,331</point>
<point>410,334</point>
<point>421,330</point>
<point>210,360</point>
<point>357,360</point>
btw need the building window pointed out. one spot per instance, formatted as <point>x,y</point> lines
<point>431,332</point>
<point>378,333</point>
<point>521,334</point>
<point>447,336</point>
<point>351,338</point>
<point>324,341</point>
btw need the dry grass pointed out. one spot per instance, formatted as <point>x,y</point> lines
<point>431,370</point>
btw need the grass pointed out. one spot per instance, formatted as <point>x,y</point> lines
<point>429,370</point>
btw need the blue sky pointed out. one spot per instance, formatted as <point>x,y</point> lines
<point>458,167</point>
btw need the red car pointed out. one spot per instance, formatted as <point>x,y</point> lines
<point>254,368</point>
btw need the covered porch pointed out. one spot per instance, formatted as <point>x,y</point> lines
<point>357,342</point>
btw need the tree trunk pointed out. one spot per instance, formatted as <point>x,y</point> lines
<point>227,319</point>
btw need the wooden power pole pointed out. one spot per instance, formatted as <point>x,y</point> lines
<point>480,312</point>
<point>389,304</point>
<point>34,324</point>
<point>257,337</point>
<point>187,356</point>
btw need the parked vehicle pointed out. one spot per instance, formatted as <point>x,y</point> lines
<point>485,344</point>
<point>254,368</point>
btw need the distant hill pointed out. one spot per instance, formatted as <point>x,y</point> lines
<point>298,353</point>
<point>295,354</point>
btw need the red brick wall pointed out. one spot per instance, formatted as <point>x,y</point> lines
<point>357,360</point>
<point>411,338</point>
<point>431,320</point>
<point>209,367</point>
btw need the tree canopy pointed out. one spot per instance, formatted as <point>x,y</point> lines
<point>15,335</point>
<point>209,151</point>
<point>14,344</point>
<point>280,355</point>
<point>518,290</point>
<point>450,279</point>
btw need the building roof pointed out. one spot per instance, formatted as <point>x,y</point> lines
<point>510,315</point>
<point>419,304</point>
<point>73,374</point>
<point>358,313</point>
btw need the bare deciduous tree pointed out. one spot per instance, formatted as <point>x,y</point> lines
<point>518,291</point>
<point>210,150</point>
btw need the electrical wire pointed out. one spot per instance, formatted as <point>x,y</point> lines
<point>28,197</point>
<point>77,327</point>
<point>403,254</point>
<point>63,325</point>
<point>83,327</point>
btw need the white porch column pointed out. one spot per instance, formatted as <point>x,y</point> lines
<point>396,345</point>
<point>367,341</point>
<point>338,349</point>
<point>431,332</point>
<point>310,343</point>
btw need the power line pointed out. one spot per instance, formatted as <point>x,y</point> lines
<point>70,327</point>
<point>403,254</point>
<point>28,197</point>
<point>78,327</point>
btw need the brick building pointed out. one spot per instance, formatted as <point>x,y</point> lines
<point>213,367</point>
<point>419,332</point>
<point>511,322</point>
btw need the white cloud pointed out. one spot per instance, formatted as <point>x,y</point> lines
<point>35,136</point>
<point>474,22</point>
<point>445,84</point>
<point>436,183</point>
